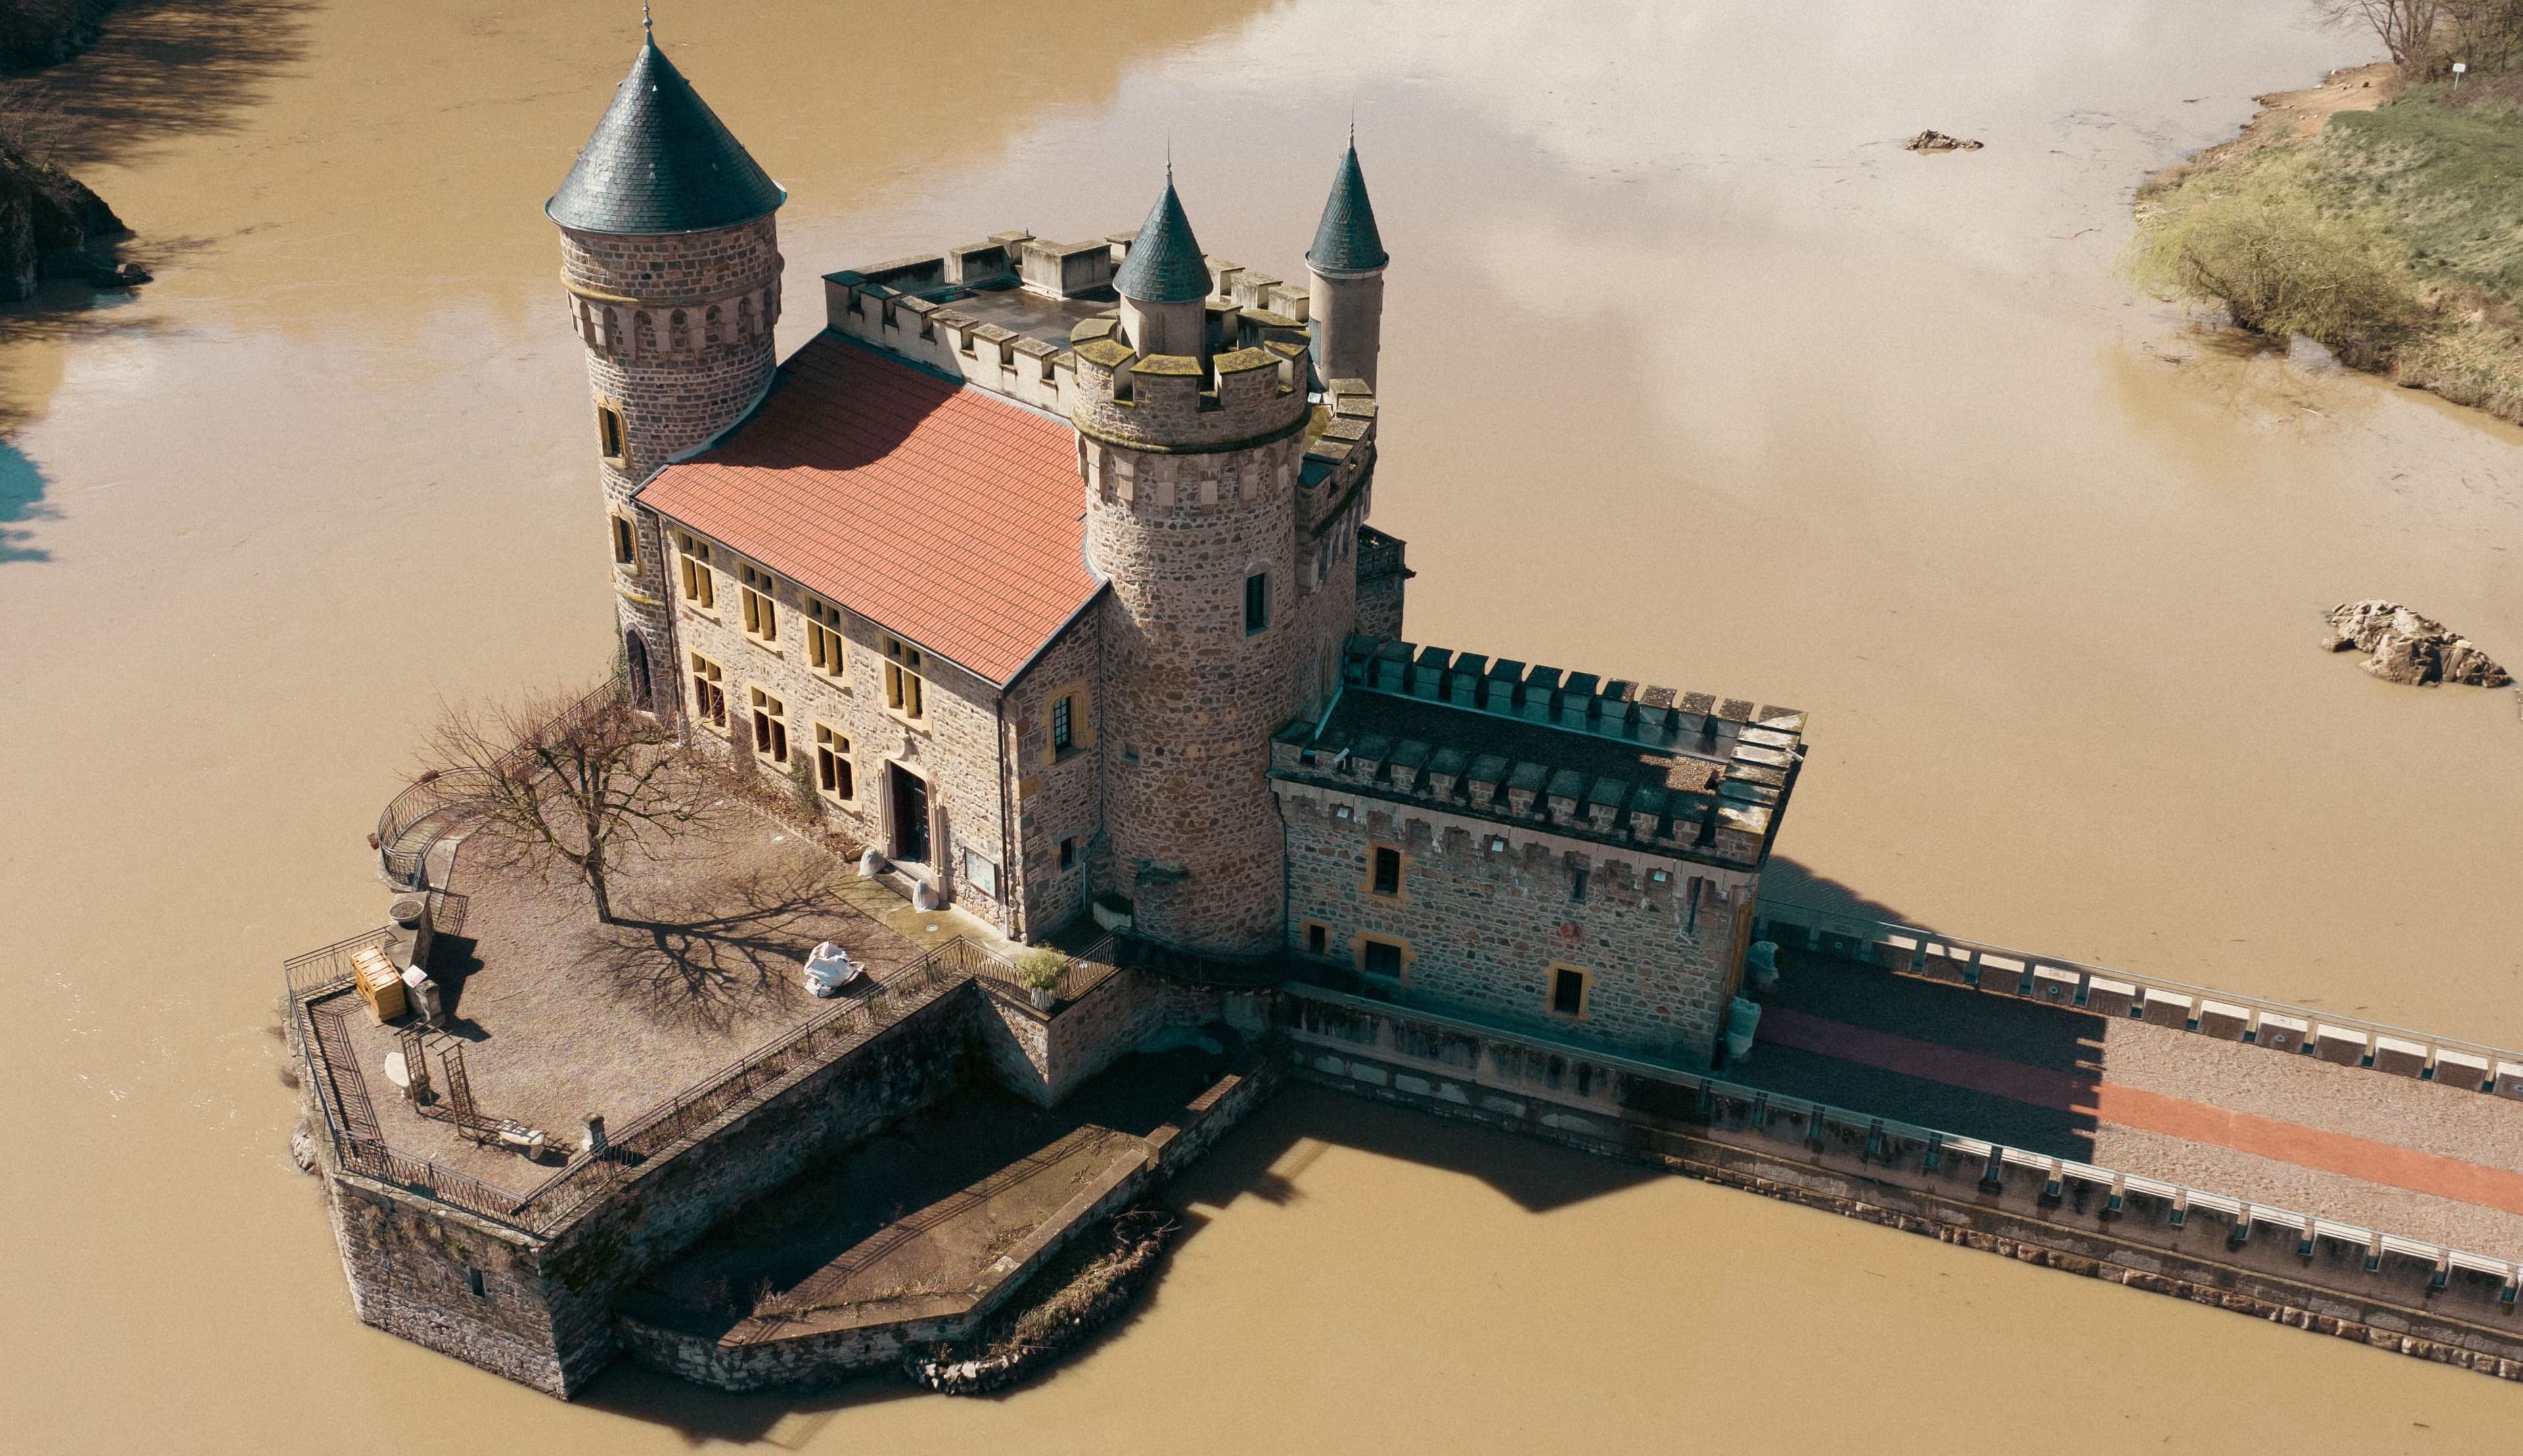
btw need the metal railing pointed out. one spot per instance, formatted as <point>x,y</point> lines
<point>450,791</point>
<point>1085,970</point>
<point>1817,1125</point>
<point>350,1125</point>
<point>1916,951</point>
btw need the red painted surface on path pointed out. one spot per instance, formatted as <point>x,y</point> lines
<point>2149,1111</point>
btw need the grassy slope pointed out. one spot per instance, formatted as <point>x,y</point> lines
<point>2447,182</point>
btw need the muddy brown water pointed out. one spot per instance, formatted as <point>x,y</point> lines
<point>1692,375</point>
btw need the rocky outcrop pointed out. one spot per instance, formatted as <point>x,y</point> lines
<point>2406,648</point>
<point>50,224</point>
<point>1937,141</point>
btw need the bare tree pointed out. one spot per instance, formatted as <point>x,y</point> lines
<point>2407,28</point>
<point>572,780</point>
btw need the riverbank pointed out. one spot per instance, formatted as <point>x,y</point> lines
<point>2374,217</point>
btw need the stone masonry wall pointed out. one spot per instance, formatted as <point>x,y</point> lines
<point>1480,931</point>
<point>2454,1315</point>
<point>1191,700</point>
<point>543,1316</point>
<point>589,1263</point>
<point>954,746</point>
<point>1045,1057</point>
<point>1058,795</point>
<point>678,333</point>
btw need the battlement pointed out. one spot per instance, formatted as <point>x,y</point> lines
<point>1010,313</point>
<point>1680,776</point>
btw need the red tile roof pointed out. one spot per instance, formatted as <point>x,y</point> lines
<point>943,513</point>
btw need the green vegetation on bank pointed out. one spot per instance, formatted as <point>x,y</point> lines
<point>2393,236</point>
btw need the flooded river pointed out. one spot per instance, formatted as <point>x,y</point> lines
<point>1692,375</point>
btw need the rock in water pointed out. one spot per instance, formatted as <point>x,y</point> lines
<point>301,1148</point>
<point>47,220</point>
<point>2406,648</point>
<point>1937,141</point>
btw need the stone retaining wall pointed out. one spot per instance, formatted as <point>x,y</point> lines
<point>823,1356</point>
<point>2379,1293</point>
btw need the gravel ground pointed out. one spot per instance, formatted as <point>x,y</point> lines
<point>2448,1121</point>
<point>2331,1195</point>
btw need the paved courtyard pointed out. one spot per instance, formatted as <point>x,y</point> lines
<point>557,1015</point>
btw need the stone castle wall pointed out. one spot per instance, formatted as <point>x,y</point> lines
<point>1481,930</point>
<point>1191,700</point>
<point>545,1315</point>
<point>2452,1313</point>
<point>1045,1056</point>
<point>1059,794</point>
<point>678,333</point>
<point>954,746</point>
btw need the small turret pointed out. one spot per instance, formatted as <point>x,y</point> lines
<point>1347,262</point>
<point>1165,284</point>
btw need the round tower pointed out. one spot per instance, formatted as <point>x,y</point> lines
<point>670,255</point>
<point>1347,267</point>
<point>1191,438</point>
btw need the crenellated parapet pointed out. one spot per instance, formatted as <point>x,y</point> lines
<point>1239,399</point>
<point>1469,743</point>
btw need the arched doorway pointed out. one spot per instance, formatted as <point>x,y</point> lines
<point>635,667</point>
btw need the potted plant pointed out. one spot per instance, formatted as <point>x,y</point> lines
<point>1039,971</point>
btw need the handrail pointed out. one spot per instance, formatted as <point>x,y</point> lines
<point>663,1131</point>
<point>1897,1137</point>
<point>1919,944</point>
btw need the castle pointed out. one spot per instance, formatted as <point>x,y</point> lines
<point>1050,563</point>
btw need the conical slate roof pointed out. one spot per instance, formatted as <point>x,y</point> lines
<point>661,161</point>
<point>1347,241</point>
<point>1165,265</point>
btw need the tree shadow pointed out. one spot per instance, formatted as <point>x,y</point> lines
<point>162,68</point>
<point>712,956</point>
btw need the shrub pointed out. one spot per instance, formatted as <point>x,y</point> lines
<point>2282,265</point>
<point>1040,969</point>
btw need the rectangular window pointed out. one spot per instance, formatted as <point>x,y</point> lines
<point>1576,884</point>
<point>1257,603</point>
<point>824,638</point>
<point>1381,957</point>
<point>761,614</point>
<point>1319,939</point>
<point>699,587</point>
<point>902,678</point>
<point>1068,852</point>
<point>473,1282</point>
<point>1388,871</point>
<point>832,765</point>
<point>709,693</point>
<point>1064,724</point>
<point>610,435</point>
<point>770,727</point>
<point>626,542</point>
<point>1567,991</point>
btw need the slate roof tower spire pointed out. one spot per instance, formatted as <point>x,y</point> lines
<point>670,254</point>
<point>1347,263</point>
<point>1165,283</point>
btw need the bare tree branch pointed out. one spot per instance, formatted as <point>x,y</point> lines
<point>571,780</point>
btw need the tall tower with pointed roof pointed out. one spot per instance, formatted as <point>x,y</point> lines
<point>1191,416</point>
<point>670,256</point>
<point>1347,264</point>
